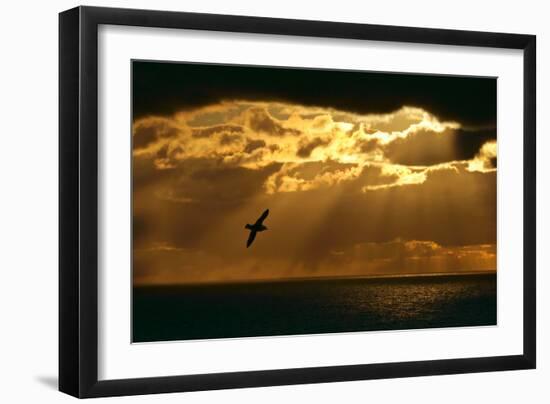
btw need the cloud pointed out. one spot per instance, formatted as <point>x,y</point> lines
<point>425,147</point>
<point>153,130</point>
<point>217,129</point>
<point>354,191</point>
<point>253,144</point>
<point>293,177</point>
<point>180,265</point>
<point>420,256</point>
<point>406,144</point>
<point>166,88</point>
<point>259,120</point>
<point>305,148</point>
<point>485,159</point>
<point>403,175</point>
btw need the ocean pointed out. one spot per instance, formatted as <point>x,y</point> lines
<point>167,313</point>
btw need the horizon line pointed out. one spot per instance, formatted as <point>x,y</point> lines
<point>319,278</point>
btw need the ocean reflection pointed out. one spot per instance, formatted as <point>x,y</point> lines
<point>309,307</point>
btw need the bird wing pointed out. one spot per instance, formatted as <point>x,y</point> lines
<point>262,217</point>
<point>251,238</point>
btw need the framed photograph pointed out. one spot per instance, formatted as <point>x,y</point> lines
<point>251,201</point>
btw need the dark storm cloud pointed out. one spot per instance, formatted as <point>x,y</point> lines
<point>468,142</point>
<point>165,88</point>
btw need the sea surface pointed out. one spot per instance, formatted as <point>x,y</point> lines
<point>165,313</point>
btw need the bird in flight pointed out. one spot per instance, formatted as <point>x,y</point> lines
<point>256,227</point>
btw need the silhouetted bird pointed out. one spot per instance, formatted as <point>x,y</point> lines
<point>256,227</point>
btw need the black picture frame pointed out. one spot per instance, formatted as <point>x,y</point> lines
<point>78,201</point>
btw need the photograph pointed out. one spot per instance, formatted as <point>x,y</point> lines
<point>250,202</point>
<point>273,201</point>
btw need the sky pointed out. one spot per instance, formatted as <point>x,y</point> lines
<point>363,173</point>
